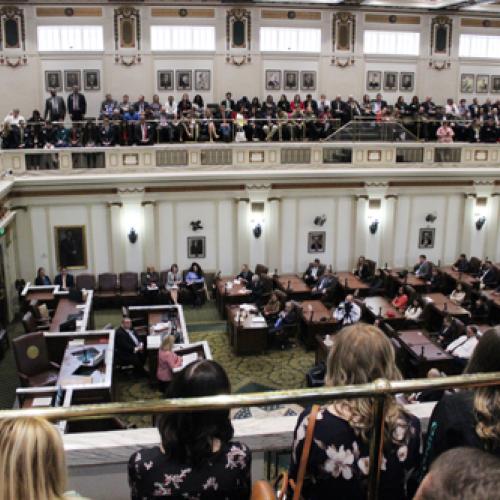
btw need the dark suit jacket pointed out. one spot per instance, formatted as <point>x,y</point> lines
<point>247,276</point>
<point>425,270</point>
<point>141,107</point>
<point>363,273</point>
<point>70,280</point>
<point>490,278</point>
<point>124,347</point>
<point>50,112</point>
<point>150,133</point>
<point>82,107</point>
<point>321,271</point>
<point>42,281</point>
<point>108,136</point>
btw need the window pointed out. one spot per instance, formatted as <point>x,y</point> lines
<point>183,38</point>
<point>479,46</point>
<point>290,40</point>
<point>70,38</point>
<point>391,42</point>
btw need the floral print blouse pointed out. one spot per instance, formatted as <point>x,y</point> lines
<point>225,476</point>
<point>338,462</point>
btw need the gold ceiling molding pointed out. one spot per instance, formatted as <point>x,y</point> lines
<point>163,12</point>
<point>391,19</point>
<point>291,15</point>
<point>69,12</point>
<point>475,22</point>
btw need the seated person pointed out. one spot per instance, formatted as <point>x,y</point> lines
<point>41,278</point>
<point>347,312</point>
<point>337,465</point>
<point>377,285</point>
<point>488,277</point>
<point>273,306</point>
<point>286,317</point>
<point>400,300</point>
<point>479,310</point>
<point>325,287</point>
<point>413,311</point>
<point>64,279</point>
<point>429,394</point>
<point>129,350</point>
<point>448,332</point>
<point>362,270</point>
<point>174,279</point>
<point>150,279</point>
<point>167,361</point>
<point>423,268</point>
<point>245,274</point>
<point>457,296</point>
<point>195,281</point>
<point>462,264</point>
<point>464,346</point>
<point>197,457</point>
<point>463,473</point>
<point>314,272</point>
<point>257,289</point>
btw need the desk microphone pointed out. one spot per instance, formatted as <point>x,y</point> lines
<point>379,312</point>
<point>346,283</point>
<point>422,351</point>
<point>311,316</point>
<point>289,286</point>
<point>445,307</point>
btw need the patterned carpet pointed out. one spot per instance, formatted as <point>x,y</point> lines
<point>272,370</point>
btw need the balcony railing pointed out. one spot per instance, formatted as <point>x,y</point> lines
<point>377,390</point>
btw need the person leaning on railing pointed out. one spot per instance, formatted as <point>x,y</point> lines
<point>338,463</point>
<point>196,458</point>
<point>32,464</point>
<point>469,417</point>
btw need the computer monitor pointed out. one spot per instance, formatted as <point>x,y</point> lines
<point>68,326</point>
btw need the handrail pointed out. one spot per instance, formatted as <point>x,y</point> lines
<point>378,389</point>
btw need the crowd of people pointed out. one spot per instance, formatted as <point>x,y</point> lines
<point>125,122</point>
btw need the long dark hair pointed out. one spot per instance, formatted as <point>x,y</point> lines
<point>200,270</point>
<point>188,436</point>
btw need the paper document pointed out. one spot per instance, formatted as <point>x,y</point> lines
<point>187,359</point>
<point>153,341</point>
<point>46,401</point>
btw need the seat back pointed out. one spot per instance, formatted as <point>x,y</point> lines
<point>460,327</point>
<point>261,269</point>
<point>29,322</point>
<point>86,281</point>
<point>30,353</point>
<point>372,266</point>
<point>163,279</point>
<point>33,308</point>
<point>129,282</point>
<point>107,282</point>
<point>474,265</point>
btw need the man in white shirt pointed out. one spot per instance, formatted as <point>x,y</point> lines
<point>171,107</point>
<point>14,117</point>
<point>464,346</point>
<point>348,312</point>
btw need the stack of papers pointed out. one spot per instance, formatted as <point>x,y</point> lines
<point>46,401</point>
<point>187,359</point>
<point>258,319</point>
<point>76,342</point>
<point>159,327</point>
<point>153,341</point>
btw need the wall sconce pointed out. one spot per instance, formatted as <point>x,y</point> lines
<point>320,220</point>
<point>257,230</point>
<point>430,217</point>
<point>373,226</point>
<point>481,212</point>
<point>480,222</point>
<point>132,235</point>
<point>257,220</point>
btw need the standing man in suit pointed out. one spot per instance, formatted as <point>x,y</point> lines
<point>314,272</point>
<point>144,132</point>
<point>64,279</point>
<point>129,350</point>
<point>423,268</point>
<point>55,109</point>
<point>77,105</point>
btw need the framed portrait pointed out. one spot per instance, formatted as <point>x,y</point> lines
<point>308,80</point>
<point>72,79</point>
<point>71,247</point>
<point>390,80</point>
<point>290,80</point>
<point>495,84</point>
<point>426,237</point>
<point>482,84</point>
<point>165,79</point>
<point>184,79</point>
<point>406,81</point>
<point>202,80</point>
<point>273,79</point>
<point>53,80</point>
<point>316,242</point>
<point>374,81</point>
<point>91,79</point>
<point>466,83</point>
<point>196,247</point>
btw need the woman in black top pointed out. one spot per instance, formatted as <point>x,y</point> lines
<point>42,278</point>
<point>338,464</point>
<point>196,459</point>
<point>468,418</point>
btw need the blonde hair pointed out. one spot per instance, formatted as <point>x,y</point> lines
<point>32,464</point>
<point>361,354</point>
<point>167,343</point>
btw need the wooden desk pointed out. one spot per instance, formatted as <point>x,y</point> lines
<point>410,279</point>
<point>64,308</point>
<point>315,319</point>
<point>245,335</point>
<point>350,282</point>
<point>495,299</point>
<point>230,291</point>
<point>294,286</point>
<point>323,346</point>
<point>455,276</point>
<point>380,306</point>
<point>445,306</point>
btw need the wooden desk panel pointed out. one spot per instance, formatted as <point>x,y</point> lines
<point>376,306</point>
<point>349,281</point>
<point>316,319</point>
<point>456,276</point>
<point>237,293</point>
<point>64,308</point>
<point>40,296</point>
<point>493,298</point>
<point>246,336</point>
<point>410,278</point>
<point>296,288</point>
<point>444,305</point>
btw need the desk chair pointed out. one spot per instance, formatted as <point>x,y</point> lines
<point>31,325</point>
<point>129,286</point>
<point>32,360</point>
<point>107,290</point>
<point>86,281</point>
<point>139,321</point>
<point>192,295</point>
<point>474,265</point>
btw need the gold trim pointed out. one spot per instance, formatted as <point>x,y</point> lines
<point>163,12</point>
<point>84,243</point>
<point>61,12</point>
<point>474,22</point>
<point>391,19</point>
<point>297,15</point>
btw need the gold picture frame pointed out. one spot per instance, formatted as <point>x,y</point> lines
<point>71,247</point>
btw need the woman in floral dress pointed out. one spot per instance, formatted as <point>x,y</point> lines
<point>338,464</point>
<point>196,458</point>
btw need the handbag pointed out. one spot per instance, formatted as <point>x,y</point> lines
<point>263,490</point>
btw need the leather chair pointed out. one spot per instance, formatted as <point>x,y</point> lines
<point>4,341</point>
<point>163,279</point>
<point>129,285</point>
<point>107,287</point>
<point>30,324</point>
<point>261,269</point>
<point>474,265</point>
<point>372,266</point>
<point>32,360</point>
<point>188,295</point>
<point>147,278</point>
<point>86,281</point>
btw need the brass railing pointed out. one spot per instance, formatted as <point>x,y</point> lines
<point>377,390</point>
